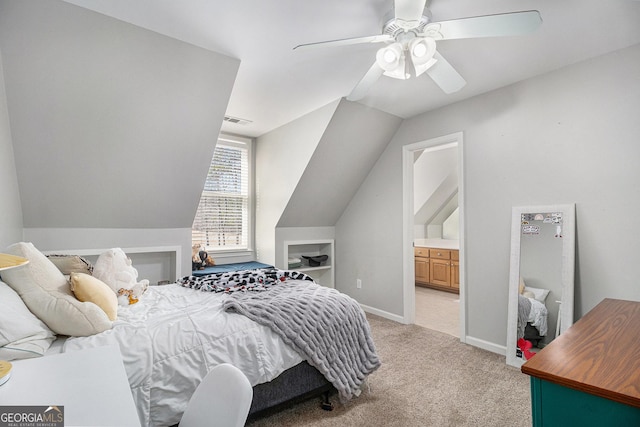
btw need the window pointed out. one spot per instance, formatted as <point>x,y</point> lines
<point>222,221</point>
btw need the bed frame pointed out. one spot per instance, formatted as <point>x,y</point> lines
<point>294,385</point>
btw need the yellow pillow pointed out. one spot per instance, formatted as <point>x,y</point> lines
<point>88,288</point>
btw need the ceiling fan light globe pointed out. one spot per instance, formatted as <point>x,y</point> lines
<point>395,68</point>
<point>419,50</point>
<point>399,72</point>
<point>422,49</point>
<point>391,57</point>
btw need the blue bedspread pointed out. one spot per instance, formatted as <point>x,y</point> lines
<point>237,266</point>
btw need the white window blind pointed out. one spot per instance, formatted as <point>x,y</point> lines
<point>222,218</point>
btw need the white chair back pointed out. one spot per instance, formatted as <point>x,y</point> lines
<point>222,399</point>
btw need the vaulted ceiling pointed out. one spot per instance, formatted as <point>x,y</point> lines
<point>276,84</point>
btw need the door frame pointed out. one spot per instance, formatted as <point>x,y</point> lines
<point>409,294</point>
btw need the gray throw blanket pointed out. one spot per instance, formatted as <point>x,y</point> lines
<point>328,328</point>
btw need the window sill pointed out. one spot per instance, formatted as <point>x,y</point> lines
<point>221,254</point>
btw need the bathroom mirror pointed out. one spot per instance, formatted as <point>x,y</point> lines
<point>541,278</point>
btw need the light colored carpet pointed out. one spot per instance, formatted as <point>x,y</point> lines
<point>438,310</point>
<point>427,378</point>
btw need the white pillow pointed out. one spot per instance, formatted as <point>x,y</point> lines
<point>46,292</point>
<point>22,335</point>
<point>68,264</point>
<point>538,293</point>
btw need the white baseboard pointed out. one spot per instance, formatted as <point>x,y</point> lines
<point>476,342</point>
<point>486,345</point>
<point>382,313</point>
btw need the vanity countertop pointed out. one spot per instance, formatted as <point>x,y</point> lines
<point>437,243</point>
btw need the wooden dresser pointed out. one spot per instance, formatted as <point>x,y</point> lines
<point>590,375</point>
<point>437,268</point>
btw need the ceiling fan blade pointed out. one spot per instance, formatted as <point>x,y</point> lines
<point>409,11</point>
<point>504,24</point>
<point>361,89</point>
<point>343,42</point>
<point>445,75</point>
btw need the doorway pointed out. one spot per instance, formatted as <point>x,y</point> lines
<point>440,204</point>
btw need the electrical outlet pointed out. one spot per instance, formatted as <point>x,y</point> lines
<point>358,283</point>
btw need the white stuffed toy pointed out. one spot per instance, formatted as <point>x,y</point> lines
<point>114,268</point>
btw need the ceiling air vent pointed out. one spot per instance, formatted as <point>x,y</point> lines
<point>237,120</point>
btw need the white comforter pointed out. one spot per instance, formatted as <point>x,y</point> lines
<point>174,336</point>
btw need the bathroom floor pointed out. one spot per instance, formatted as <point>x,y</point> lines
<point>438,310</point>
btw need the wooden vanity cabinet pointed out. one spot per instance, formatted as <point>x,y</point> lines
<point>437,268</point>
<point>421,265</point>
<point>455,270</point>
<point>440,273</point>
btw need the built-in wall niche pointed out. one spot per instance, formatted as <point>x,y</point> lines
<point>155,263</point>
<point>323,274</point>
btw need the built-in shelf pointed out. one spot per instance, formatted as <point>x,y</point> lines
<point>324,274</point>
<point>171,255</point>
<point>322,267</point>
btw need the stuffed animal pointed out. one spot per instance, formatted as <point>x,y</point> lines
<point>209,262</point>
<point>194,252</point>
<point>200,258</point>
<point>196,261</point>
<point>131,296</point>
<point>114,268</point>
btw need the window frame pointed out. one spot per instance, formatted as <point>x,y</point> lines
<point>248,143</point>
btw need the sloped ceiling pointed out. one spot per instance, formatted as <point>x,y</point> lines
<point>272,76</point>
<point>435,183</point>
<point>111,124</point>
<point>434,209</point>
<point>348,149</point>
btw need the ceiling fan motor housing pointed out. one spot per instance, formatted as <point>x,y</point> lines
<point>396,27</point>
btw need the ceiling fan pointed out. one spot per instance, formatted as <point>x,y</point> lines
<point>411,36</point>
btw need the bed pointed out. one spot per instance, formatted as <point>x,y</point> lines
<point>174,335</point>
<point>532,317</point>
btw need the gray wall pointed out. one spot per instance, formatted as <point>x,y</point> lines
<point>281,158</point>
<point>111,124</point>
<point>308,171</point>
<point>568,136</point>
<point>101,107</point>
<point>10,208</point>
<point>350,145</point>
